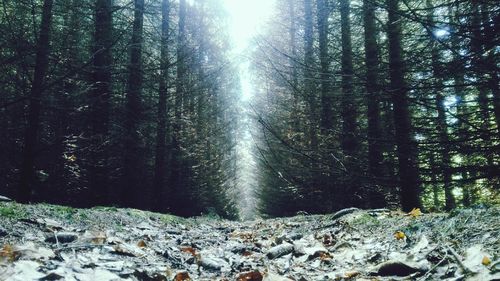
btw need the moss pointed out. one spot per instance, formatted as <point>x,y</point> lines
<point>12,210</point>
<point>364,219</point>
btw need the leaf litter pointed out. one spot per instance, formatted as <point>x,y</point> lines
<point>58,243</point>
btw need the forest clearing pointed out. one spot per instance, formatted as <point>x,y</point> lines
<point>48,242</point>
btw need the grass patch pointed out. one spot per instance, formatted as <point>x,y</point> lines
<point>12,211</point>
<point>364,219</point>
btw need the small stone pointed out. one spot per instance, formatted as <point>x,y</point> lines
<point>280,250</point>
<point>212,263</point>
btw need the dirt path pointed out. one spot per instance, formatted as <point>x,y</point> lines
<point>44,242</point>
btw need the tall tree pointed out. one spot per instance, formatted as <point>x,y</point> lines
<point>133,164</point>
<point>349,138</point>
<point>325,77</point>
<point>372,86</point>
<point>373,92</point>
<point>180,90</point>
<point>406,149</point>
<point>442,126</point>
<point>161,130</point>
<point>100,95</point>
<point>37,88</point>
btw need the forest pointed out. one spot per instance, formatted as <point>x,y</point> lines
<point>364,103</point>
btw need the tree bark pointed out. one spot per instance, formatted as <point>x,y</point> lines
<point>442,126</point>
<point>161,130</point>
<point>326,98</point>
<point>406,148</point>
<point>27,173</point>
<point>133,157</point>
<point>372,86</point>
<point>349,112</point>
<point>100,96</point>
<point>373,91</point>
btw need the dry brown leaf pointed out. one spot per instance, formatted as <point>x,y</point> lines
<point>246,253</point>
<point>182,276</point>
<point>350,274</point>
<point>189,250</point>
<point>9,253</point>
<point>325,256</point>
<point>250,276</point>
<point>141,244</point>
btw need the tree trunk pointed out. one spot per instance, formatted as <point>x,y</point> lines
<point>161,130</point>
<point>176,160</point>
<point>326,99</point>
<point>349,138</point>
<point>309,88</point>
<point>442,126</point>
<point>406,148</point>
<point>133,114</point>
<point>32,129</point>
<point>100,96</point>
<point>294,116</point>
<point>478,66</point>
<point>372,89</point>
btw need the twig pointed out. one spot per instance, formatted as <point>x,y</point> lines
<point>459,261</point>
<point>425,277</point>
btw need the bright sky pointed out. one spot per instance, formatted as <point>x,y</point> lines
<point>246,18</point>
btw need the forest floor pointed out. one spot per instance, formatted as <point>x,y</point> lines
<point>47,242</point>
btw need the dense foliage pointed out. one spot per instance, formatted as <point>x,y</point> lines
<point>121,102</point>
<point>375,103</point>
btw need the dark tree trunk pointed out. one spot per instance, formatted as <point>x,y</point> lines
<point>161,130</point>
<point>176,160</point>
<point>349,138</point>
<point>372,84</point>
<point>350,143</point>
<point>133,164</point>
<point>406,148</point>
<point>478,66</point>
<point>442,125</point>
<point>294,116</point>
<point>309,88</point>
<point>100,96</point>
<point>27,173</point>
<point>326,98</point>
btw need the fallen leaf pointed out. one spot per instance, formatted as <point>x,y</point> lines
<point>415,212</point>
<point>486,261</point>
<point>9,253</point>
<point>141,244</point>
<point>190,250</point>
<point>246,253</point>
<point>351,274</point>
<point>399,235</point>
<point>182,276</point>
<point>250,276</point>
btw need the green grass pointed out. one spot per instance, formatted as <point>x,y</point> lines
<point>12,211</point>
<point>364,219</point>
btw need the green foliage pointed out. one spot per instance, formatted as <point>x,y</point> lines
<point>12,211</point>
